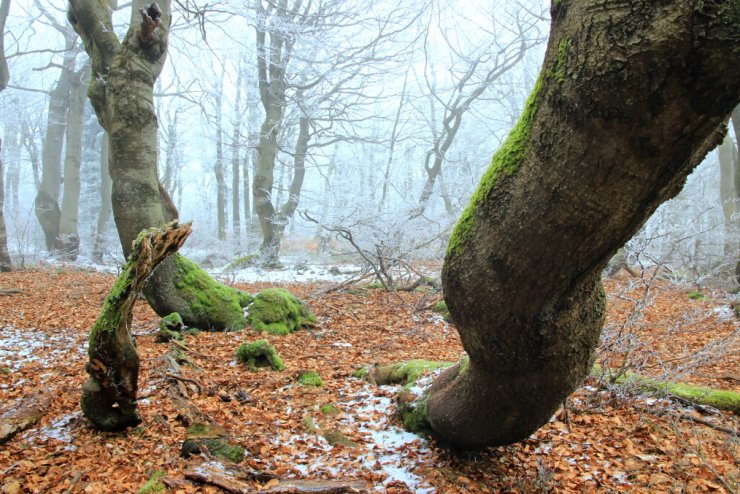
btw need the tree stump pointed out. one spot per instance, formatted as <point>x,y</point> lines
<point>109,395</point>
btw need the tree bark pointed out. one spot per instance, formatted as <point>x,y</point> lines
<point>628,102</point>
<point>109,395</point>
<point>5,264</point>
<point>121,92</point>
<point>236,141</point>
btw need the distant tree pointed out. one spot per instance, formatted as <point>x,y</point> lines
<point>509,36</point>
<point>47,207</point>
<point>629,100</point>
<point>121,92</point>
<point>5,263</point>
<point>312,88</point>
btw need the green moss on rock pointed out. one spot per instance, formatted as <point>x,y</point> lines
<point>243,262</point>
<point>259,354</point>
<point>310,378</point>
<point>208,299</point>
<point>278,312</point>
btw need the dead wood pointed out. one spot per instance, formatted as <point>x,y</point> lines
<point>10,291</point>
<point>23,415</point>
<point>239,480</point>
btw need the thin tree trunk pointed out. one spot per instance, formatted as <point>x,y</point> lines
<point>219,166</point>
<point>5,263</point>
<point>235,158</point>
<point>29,142</point>
<point>628,102</point>
<point>727,153</point>
<point>13,166</point>
<point>68,241</point>
<point>105,200</point>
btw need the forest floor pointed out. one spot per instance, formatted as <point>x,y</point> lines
<point>612,439</point>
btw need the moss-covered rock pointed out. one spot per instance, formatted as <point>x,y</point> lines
<point>212,439</point>
<point>441,308</point>
<point>170,328</point>
<point>310,378</point>
<point>209,300</point>
<point>278,312</point>
<point>404,373</point>
<point>259,354</point>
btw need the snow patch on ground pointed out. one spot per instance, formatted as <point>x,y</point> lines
<point>369,414</point>
<point>289,273</point>
<point>21,346</point>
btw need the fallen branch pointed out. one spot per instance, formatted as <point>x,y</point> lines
<point>21,416</point>
<point>10,291</point>
<point>185,379</point>
<point>240,480</point>
<point>701,395</point>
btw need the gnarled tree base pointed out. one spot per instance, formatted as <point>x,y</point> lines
<point>109,395</point>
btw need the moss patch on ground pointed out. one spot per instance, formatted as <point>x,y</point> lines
<point>170,328</point>
<point>278,312</point>
<point>310,378</point>
<point>154,484</point>
<point>213,438</point>
<point>259,353</point>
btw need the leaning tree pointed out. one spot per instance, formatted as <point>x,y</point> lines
<point>121,92</point>
<point>630,98</point>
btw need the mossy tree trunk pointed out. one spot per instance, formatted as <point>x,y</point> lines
<point>121,92</point>
<point>630,98</point>
<point>109,395</point>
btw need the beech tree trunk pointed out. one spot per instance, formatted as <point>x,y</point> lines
<point>5,263</point>
<point>630,98</point>
<point>121,92</point>
<point>46,204</point>
<point>68,240</point>
<point>105,201</point>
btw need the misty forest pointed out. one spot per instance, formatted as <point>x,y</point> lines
<point>360,246</point>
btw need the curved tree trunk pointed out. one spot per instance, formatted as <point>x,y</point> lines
<point>629,100</point>
<point>109,395</point>
<point>121,92</point>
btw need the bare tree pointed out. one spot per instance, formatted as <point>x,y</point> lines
<point>473,73</point>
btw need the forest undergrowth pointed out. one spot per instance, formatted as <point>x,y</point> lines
<point>607,438</point>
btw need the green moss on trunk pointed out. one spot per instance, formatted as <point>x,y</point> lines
<point>507,160</point>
